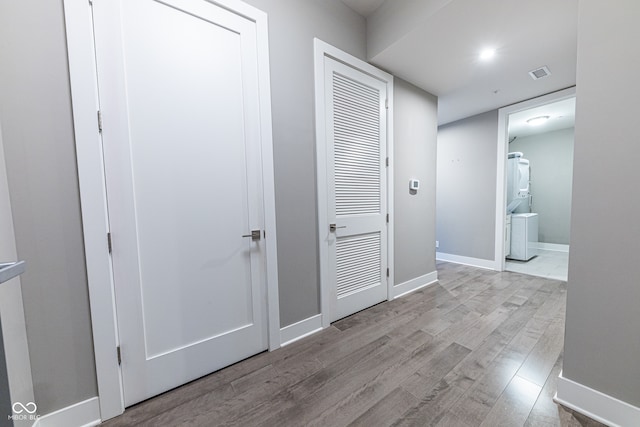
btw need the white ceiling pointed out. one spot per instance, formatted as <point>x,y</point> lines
<point>439,48</point>
<point>562,115</point>
<point>363,7</point>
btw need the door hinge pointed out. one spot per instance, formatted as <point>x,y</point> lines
<point>388,271</point>
<point>119,353</point>
<point>109,242</point>
<point>386,162</point>
<point>99,121</point>
<point>386,103</point>
<point>387,218</point>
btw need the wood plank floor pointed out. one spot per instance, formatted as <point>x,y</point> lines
<point>478,348</point>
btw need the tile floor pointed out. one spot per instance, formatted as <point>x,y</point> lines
<point>548,264</point>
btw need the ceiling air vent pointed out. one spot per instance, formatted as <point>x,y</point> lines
<point>539,73</point>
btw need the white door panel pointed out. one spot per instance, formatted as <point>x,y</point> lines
<point>179,99</point>
<point>357,188</point>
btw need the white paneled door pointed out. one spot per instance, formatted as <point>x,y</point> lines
<point>178,88</point>
<point>356,151</point>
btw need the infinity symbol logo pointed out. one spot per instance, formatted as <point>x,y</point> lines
<point>19,408</point>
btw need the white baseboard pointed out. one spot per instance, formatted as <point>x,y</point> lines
<point>594,404</point>
<point>414,284</point>
<point>81,414</point>
<point>300,329</point>
<point>473,262</point>
<point>553,247</point>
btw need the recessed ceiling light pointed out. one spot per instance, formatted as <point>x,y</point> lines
<point>537,121</point>
<point>487,54</point>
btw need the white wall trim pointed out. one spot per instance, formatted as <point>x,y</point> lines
<point>501,176</point>
<point>553,247</point>
<point>84,96</point>
<point>85,102</point>
<point>594,404</point>
<point>320,51</point>
<point>311,325</point>
<point>501,190</point>
<point>321,175</point>
<point>413,285</point>
<point>268,176</point>
<point>81,414</point>
<point>301,329</point>
<point>390,190</point>
<point>473,262</point>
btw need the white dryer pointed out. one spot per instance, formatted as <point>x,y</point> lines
<point>524,236</point>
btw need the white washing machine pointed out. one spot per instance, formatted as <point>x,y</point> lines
<point>524,236</point>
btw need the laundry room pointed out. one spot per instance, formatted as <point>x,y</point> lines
<point>539,185</point>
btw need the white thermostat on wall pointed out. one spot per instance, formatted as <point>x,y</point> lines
<point>414,184</point>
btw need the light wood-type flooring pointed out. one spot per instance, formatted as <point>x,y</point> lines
<point>478,348</point>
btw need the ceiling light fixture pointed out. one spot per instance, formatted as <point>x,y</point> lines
<point>487,54</point>
<point>537,121</point>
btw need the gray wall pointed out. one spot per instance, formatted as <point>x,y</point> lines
<point>14,331</point>
<point>415,133</point>
<point>5,398</point>
<point>466,186</point>
<point>602,349</point>
<point>35,111</point>
<point>551,157</point>
<point>292,26</point>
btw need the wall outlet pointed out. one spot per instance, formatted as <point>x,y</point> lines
<point>437,244</point>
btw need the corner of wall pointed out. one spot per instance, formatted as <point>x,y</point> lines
<point>594,404</point>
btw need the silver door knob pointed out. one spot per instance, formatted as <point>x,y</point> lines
<point>255,235</point>
<point>333,227</point>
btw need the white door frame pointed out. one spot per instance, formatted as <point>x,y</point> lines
<point>85,102</point>
<point>320,51</point>
<point>503,143</point>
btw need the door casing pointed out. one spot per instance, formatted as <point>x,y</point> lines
<point>85,104</point>
<point>501,162</point>
<point>322,50</point>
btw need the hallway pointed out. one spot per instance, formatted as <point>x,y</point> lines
<point>476,348</point>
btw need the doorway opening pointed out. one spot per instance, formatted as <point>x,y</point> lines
<point>535,162</point>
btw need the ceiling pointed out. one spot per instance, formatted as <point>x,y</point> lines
<point>562,115</point>
<point>364,7</point>
<point>435,45</point>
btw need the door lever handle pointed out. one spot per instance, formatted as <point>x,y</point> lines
<point>333,227</point>
<point>255,235</point>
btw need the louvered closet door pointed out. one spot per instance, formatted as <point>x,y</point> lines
<point>356,153</point>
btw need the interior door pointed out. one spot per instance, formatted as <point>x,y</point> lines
<point>357,188</point>
<point>178,88</point>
